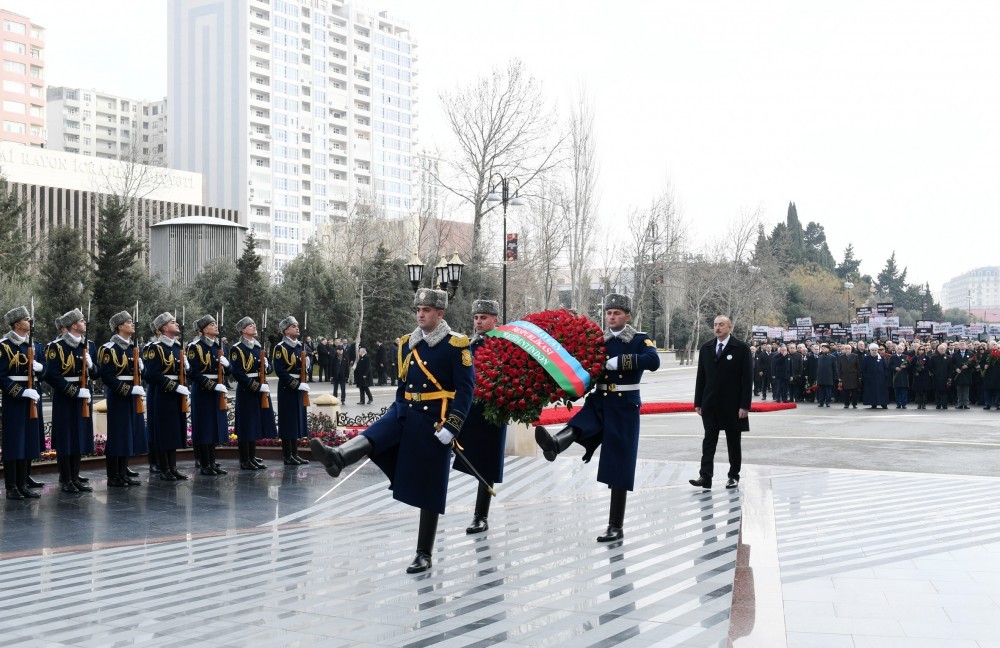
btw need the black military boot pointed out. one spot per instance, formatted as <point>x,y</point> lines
<point>10,480</point>
<point>553,444</point>
<point>215,464</point>
<point>154,459</point>
<point>253,456</point>
<point>295,453</point>
<point>425,542</point>
<point>74,462</point>
<point>616,518</point>
<point>205,460</point>
<point>22,479</point>
<point>65,481</point>
<point>172,463</point>
<point>479,523</point>
<point>245,463</point>
<point>336,459</point>
<point>127,475</point>
<point>163,463</point>
<point>286,452</point>
<point>32,483</point>
<point>114,479</point>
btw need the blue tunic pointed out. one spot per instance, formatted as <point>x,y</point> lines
<point>610,417</point>
<point>126,426</point>
<point>209,422</point>
<point>291,411</point>
<point>483,442</point>
<point>72,434</point>
<point>22,435</point>
<point>167,424</point>
<point>405,448</point>
<point>253,422</point>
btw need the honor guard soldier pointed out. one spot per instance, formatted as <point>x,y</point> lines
<point>124,392</point>
<point>610,415</point>
<point>288,355</point>
<point>209,407</point>
<point>164,360</point>
<point>411,443</point>
<point>254,409</point>
<point>483,441</point>
<point>22,411</point>
<point>72,426</point>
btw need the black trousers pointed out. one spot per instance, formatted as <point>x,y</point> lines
<point>363,388</point>
<point>714,424</point>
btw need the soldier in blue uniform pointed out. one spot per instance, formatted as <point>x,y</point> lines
<point>291,410</point>
<point>72,432</point>
<point>153,454</point>
<point>610,415</point>
<point>209,420</point>
<point>254,406</point>
<point>126,426</point>
<point>482,440</point>
<point>411,443</point>
<point>21,433</point>
<point>164,360</point>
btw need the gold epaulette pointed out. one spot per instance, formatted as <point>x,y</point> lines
<point>458,340</point>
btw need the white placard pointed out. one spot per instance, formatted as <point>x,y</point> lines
<point>940,327</point>
<point>891,321</point>
<point>975,329</point>
<point>877,321</point>
<point>803,322</point>
<point>958,329</point>
<point>775,332</point>
<point>861,329</point>
<point>790,336</point>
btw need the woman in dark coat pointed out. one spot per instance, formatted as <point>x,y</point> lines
<point>874,379</point>
<point>922,383</point>
<point>941,372</point>
<point>849,365</point>
<point>362,374</point>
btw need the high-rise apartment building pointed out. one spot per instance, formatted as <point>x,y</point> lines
<point>22,112</point>
<point>976,289</point>
<point>107,126</point>
<point>295,111</point>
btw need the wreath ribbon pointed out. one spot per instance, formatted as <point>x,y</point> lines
<point>546,351</point>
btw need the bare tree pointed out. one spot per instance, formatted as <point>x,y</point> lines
<point>581,201</point>
<point>502,124</point>
<point>545,242</point>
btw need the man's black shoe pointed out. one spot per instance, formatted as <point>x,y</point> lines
<point>117,482</point>
<point>700,483</point>
<point>479,524</point>
<point>613,533</point>
<point>179,475</point>
<point>208,472</point>
<point>166,475</point>
<point>291,462</point>
<point>248,465</point>
<point>82,487</point>
<point>14,494</point>
<point>31,483</point>
<point>421,563</point>
<point>732,483</point>
<point>68,487</point>
<point>219,470</point>
<point>28,493</point>
<point>885,407</point>
<point>130,473</point>
<point>85,480</point>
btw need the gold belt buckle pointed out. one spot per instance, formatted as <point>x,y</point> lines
<point>415,397</point>
<point>612,387</point>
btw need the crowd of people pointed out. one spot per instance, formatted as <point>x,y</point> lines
<point>957,374</point>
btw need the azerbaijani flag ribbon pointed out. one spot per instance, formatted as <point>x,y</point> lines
<point>546,351</point>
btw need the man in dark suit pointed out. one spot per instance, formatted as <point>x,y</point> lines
<point>722,399</point>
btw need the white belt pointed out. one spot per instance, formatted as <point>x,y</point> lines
<point>18,378</point>
<point>72,379</point>
<point>616,388</point>
<point>210,376</point>
<point>171,377</point>
<point>253,375</point>
<point>128,379</point>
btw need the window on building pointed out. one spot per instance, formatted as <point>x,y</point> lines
<point>14,27</point>
<point>14,127</point>
<point>14,47</point>
<point>15,67</point>
<point>14,107</point>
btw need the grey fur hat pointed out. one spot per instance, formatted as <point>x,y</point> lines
<point>243,323</point>
<point>117,320</point>
<point>162,319</point>
<point>288,321</point>
<point>202,322</point>
<point>70,318</point>
<point>431,297</point>
<point>16,315</point>
<point>621,302</point>
<point>486,307</point>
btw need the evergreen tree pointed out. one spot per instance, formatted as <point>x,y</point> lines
<point>850,266</point>
<point>14,248</point>
<point>796,237</point>
<point>213,291</point>
<point>251,285</point>
<point>310,285</point>
<point>890,281</point>
<point>118,272</point>
<point>388,310</point>
<point>816,247</point>
<point>63,279</point>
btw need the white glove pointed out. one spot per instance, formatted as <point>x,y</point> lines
<point>30,393</point>
<point>265,364</point>
<point>224,362</point>
<point>138,391</point>
<point>444,436</point>
<point>265,388</point>
<point>90,363</point>
<point>142,367</point>
<point>612,364</point>
<point>303,387</point>
<point>187,365</point>
<point>83,393</point>
<point>183,390</point>
<point>38,366</point>
<point>221,389</point>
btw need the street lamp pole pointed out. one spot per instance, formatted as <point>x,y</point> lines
<point>847,289</point>
<point>498,181</point>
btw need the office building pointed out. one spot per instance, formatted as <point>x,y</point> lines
<point>976,289</point>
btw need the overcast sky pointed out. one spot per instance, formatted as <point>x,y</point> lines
<point>878,119</point>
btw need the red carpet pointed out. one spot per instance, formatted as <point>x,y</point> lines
<point>561,415</point>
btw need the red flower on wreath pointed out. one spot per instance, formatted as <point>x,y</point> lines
<point>512,386</point>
